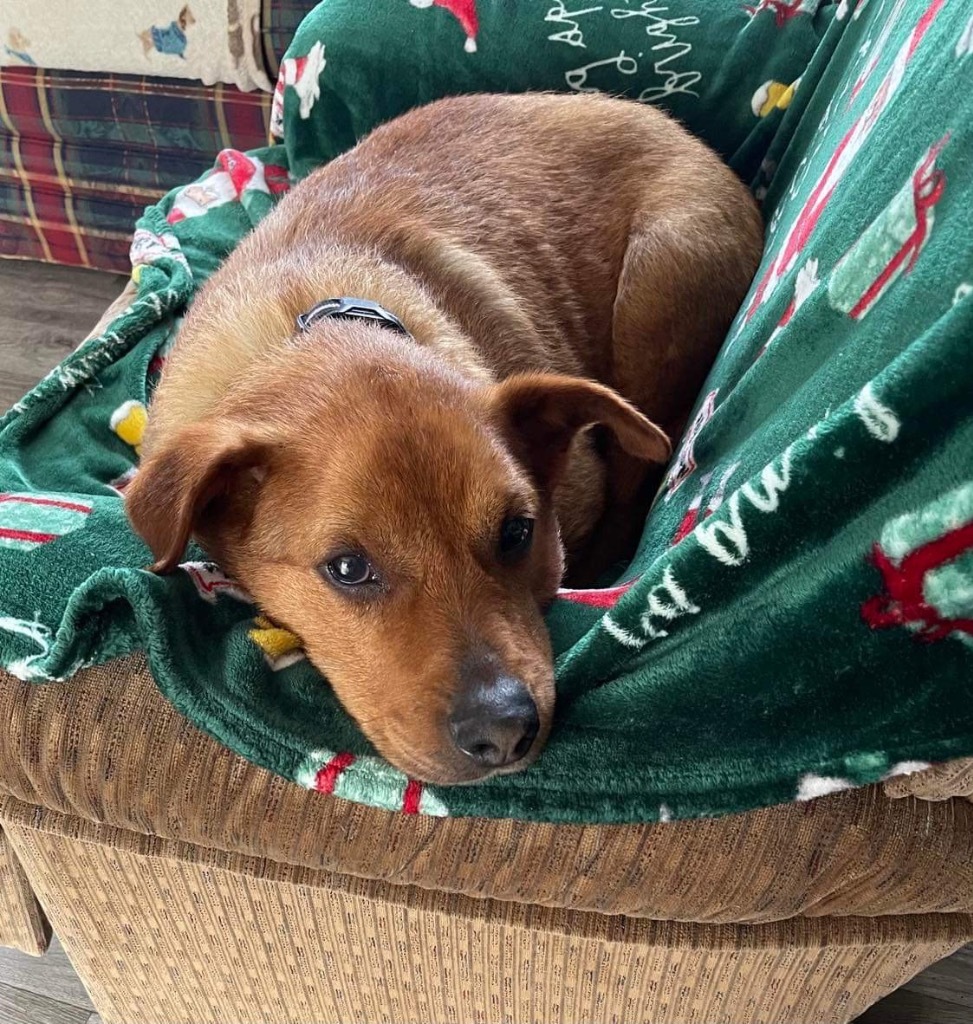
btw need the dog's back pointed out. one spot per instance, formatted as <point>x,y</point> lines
<point>518,210</point>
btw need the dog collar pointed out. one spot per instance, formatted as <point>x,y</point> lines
<point>351,309</point>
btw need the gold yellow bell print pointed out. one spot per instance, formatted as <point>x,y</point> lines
<point>773,96</point>
<point>280,647</point>
<point>128,421</point>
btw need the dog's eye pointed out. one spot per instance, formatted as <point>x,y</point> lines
<point>350,570</point>
<point>515,535</point>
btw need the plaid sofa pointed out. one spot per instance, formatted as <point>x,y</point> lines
<point>82,154</point>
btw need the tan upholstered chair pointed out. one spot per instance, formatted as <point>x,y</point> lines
<point>189,886</point>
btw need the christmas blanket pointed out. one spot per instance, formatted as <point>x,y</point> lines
<point>799,616</point>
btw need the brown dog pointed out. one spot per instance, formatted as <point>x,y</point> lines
<point>400,500</point>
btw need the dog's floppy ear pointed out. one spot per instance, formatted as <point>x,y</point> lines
<point>181,476</point>
<point>541,414</point>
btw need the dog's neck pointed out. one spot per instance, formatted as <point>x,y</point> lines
<point>248,318</point>
<point>300,280</point>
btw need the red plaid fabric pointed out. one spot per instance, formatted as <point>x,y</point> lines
<point>81,155</point>
<point>278,23</point>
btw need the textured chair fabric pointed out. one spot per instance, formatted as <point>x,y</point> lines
<point>165,931</point>
<point>22,922</point>
<point>109,749</point>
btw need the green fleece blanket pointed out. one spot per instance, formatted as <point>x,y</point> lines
<point>799,617</point>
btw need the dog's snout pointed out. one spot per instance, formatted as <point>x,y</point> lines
<point>494,719</point>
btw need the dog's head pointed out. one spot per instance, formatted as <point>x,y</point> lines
<point>397,518</point>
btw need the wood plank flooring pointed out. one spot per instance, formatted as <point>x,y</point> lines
<point>44,312</point>
<point>42,990</point>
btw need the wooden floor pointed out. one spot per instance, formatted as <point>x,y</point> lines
<point>44,313</point>
<point>42,990</point>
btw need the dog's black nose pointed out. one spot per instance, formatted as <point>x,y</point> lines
<point>494,719</point>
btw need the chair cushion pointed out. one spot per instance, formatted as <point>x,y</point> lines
<point>109,749</point>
